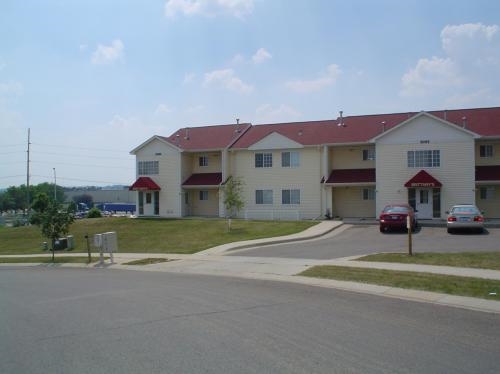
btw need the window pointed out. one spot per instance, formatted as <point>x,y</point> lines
<point>368,193</point>
<point>487,193</point>
<point>263,196</point>
<point>486,151</point>
<point>421,159</point>
<point>203,195</point>
<point>290,197</point>
<point>157,202</point>
<point>368,154</point>
<point>290,159</point>
<point>263,160</point>
<point>203,161</point>
<point>147,168</point>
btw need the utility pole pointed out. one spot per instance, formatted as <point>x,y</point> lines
<point>28,205</point>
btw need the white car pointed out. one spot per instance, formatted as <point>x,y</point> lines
<point>464,216</point>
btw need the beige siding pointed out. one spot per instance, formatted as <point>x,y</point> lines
<point>208,208</point>
<point>169,175</point>
<point>306,178</point>
<point>214,163</point>
<point>490,207</point>
<point>495,160</point>
<point>348,203</point>
<point>350,157</point>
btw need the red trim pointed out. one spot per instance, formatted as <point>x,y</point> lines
<point>488,173</point>
<point>144,184</point>
<point>352,176</point>
<point>204,179</point>
<point>423,179</point>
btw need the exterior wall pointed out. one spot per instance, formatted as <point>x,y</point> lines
<point>456,172</point>
<point>214,163</point>
<point>206,208</point>
<point>348,203</point>
<point>169,178</point>
<point>305,177</point>
<point>495,160</point>
<point>350,157</point>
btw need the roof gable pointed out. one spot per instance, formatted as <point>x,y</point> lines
<point>275,141</point>
<point>151,140</point>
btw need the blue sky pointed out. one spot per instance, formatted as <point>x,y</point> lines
<point>93,79</point>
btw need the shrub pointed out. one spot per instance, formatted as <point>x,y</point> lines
<point>94,213</point>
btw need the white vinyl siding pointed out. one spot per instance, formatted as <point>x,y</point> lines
<point>347,202</point>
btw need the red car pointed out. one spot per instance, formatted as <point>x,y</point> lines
<point>393,216</point>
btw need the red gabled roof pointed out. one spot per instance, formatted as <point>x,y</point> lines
<point>144,184</point>
<point>361,129</point>
<point>207,137</point>
<point>488,173</point>
<point>423,179</point>
<point>204,179</point>
<point>352,176</point>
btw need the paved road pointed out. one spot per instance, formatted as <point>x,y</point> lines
<point>351,240</point>
<point>104,321</point>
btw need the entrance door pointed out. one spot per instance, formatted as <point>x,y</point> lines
<point>424,203</point>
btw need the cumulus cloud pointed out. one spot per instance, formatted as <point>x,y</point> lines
<point>260,56</point>
<point>326,79</point>
<point>283,113</point>
<point>208,8</point>
<point>107,54</point>
<point>163,109</point>
<point>226,78</point>
<point>468,73</point>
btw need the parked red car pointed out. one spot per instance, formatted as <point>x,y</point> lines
<point>393,216</point>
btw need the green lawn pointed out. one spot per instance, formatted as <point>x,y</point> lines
<point>462,286</point>
<point>482,260</point>
<point>153,235</point>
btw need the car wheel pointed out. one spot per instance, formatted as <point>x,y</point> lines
<point>449,230</point>
<point>382,230</point>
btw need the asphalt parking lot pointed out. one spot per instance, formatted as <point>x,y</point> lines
<point>352,240</point>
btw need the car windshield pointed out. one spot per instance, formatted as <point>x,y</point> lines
<point>464,210</point>
<point>396,209</point>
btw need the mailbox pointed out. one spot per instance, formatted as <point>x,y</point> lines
<point>98,240</point>
<point>110,242</point>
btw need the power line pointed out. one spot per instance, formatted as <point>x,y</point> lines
<point>84,165</point>
<point>83,148</point>
<point>78,155</point>
<point>80,180</point>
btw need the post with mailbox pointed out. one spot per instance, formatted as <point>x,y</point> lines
<point>106,242</point>
<point>408,226</point>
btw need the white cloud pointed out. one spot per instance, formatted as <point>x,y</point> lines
<point>430,75</point>
<point>209,8</point>
<point>11,89</point>
<point>227,79</point>
<point>260,56</point>
<point>188,78</point>
<point>326,79</point>
<point>108,54</point>
<point>122,123</point>
<point>237,59</point>
<point>163,109</point>
<point>268,114</point>
<point>468,71</point>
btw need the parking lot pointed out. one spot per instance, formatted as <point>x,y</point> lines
<point>351,240</point>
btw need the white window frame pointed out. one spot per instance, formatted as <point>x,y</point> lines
<point>369,154</point>
<point>368,193</point>
<point>290,196</point>
<point>264,160</point>
<point>290,159</point>
<point>424,158</point>
<point>203,195</point>
<point>486,150</point>
<point>263,197</point>
<point>203,161</point>
<point>148,168</point>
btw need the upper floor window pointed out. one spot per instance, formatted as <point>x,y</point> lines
<point>290,197</point>
<point>424,159</point>
<point>203,161</point>
<point>368,154</point>
<point>486,150</point>
<point>263,196</point>
<point>148,168</point>
<point>263,160</point>
<point>290,159</point>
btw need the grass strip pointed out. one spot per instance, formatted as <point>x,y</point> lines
<point>47,260</point>
<point>480,260</point>
<point>148,261</point>
<point>449,284</point>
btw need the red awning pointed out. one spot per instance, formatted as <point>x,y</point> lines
<point>352,176</point>
<point>144,184</point>
<point>487,173</point>
<point>423,179</point>
<point>204,179</point>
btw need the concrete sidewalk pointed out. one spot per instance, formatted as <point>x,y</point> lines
<point>213,262</point>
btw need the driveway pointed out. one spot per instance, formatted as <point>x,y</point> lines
<point>352,240</point>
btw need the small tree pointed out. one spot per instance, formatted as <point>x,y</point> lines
<point>53,221</point>
<point>94,213</point>
<point>233,199</point>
